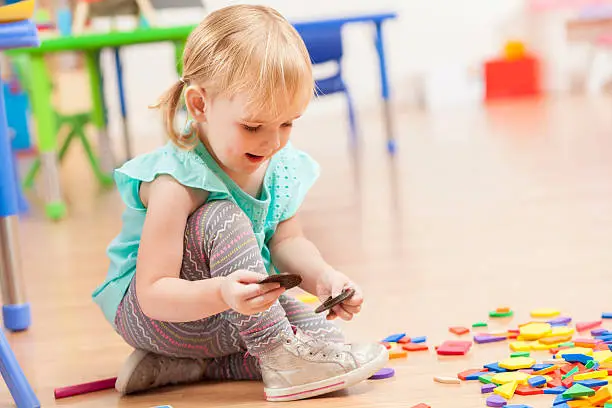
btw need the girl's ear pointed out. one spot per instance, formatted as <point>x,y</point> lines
<point>195,99</point>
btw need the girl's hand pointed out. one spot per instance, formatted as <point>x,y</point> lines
<point>333,283</point>
<point>242,293</point>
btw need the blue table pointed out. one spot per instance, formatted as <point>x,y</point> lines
<point>15,311</point>
<point>377,19</point>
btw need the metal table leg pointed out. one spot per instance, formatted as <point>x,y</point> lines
<point>384,87</point>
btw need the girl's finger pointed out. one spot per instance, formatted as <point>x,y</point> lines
<point>351,309</point>
<point>254,290</point>
<point>268,297</point>
<point>341,313</point>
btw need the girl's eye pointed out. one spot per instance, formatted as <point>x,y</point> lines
<point>287,124</point>
<point>250,128</point>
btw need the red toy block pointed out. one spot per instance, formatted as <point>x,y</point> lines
<point>588,325</point>
<point>528,390</point>
<point>459,330</point>
<point>415,347</point>
<point>512,78</point>
<point>555,382</point>
<point>464,374</point>
<point>568,382</point>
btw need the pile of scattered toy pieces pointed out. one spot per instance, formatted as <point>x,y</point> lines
<point>579,373</point>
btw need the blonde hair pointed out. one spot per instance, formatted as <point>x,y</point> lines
<point>243,48</point>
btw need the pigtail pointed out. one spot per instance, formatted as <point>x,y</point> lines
<point>169,105</point>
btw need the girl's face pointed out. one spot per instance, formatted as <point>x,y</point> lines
<point>240,142</point>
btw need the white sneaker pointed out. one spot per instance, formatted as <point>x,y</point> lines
<point>302,367</point>
<point>144,371</point>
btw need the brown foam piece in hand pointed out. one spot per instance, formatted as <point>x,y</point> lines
<point>286,280</point>
<point>331,302</point>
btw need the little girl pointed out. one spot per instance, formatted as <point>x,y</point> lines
<point>213,212</point>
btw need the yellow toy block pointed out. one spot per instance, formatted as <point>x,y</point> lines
<point>514,50</point>
<point>22,10</point>
<point>535,331</point>
<point>561,331</point>
<point>579,403</point>
<point>545,312</point>
<point>576,350</point>
<point>591,375</point>
<point>521,345</point>
<point>541,346</point>
<point>546,370</point>
<point>507,390</point>
<point>516,363</point>
<point>511,376</point>
<point>601,396</point>
<point>602,356</point>
<point>307,298</point>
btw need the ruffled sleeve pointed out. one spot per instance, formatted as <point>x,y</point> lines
<point>184,166</point>
<point>295,174</point>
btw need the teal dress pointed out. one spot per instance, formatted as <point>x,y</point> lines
<point>288,178</point>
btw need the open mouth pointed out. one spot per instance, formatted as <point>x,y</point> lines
<point>254,158</point>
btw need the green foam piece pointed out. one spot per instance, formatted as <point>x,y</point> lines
<point>608,405</point>
<point>493,313</point>
<point>520,354</point>
<point>485,379</point>
<point>568,344</point>
<point>590,364</point>
<point>577,391</point>
<point>480,324</point>
<point>570,373</point>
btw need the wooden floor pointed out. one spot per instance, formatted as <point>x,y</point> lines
<point>509,205</point>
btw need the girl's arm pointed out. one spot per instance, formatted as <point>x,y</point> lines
<point>161,293</point>
<point>292,252</point>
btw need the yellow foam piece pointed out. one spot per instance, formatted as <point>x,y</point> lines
<point>602,356</point>
<point>22,10</point>
<point>576,350</point>
<point>507,390</point>
<point>508,377</point>
<point>579,403</point>
<point>591,375</point>
<point>516,363</point>
<point>397,353</point>
<point>520,345</point>
<point>545,312</point>
<point>601,396</point>
<point>307,298</point>
<point>535,330</point>
<point>561,331</point>
<point>540,346</point>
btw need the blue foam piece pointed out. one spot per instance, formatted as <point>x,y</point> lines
<point>394,338</point>
<point>597,382</point>
<point>606,315</point>
<point>519,406</point>
<point>538,367</point>
<point>555,390</point>
<point>563,405</point>
<point>422,339</point>
<point>475,376</point>
<point>494,367</point>
<point>605,337</point>
<point>560,400</point>
<point>576,358</point>
<point>610,346</point>
<point>537,381</point>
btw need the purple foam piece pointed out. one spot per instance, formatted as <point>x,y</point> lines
<point>560,321</point>
<point>488,339</point>
<point>383,373</point>
<point>598,332</point>
<point>487,388</point>
<point>496,401</point>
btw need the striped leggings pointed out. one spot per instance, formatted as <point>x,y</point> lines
<point>219,240</point>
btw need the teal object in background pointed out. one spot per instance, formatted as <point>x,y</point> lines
<point>17,113</point>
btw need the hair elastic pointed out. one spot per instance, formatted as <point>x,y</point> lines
<point>188,129</point>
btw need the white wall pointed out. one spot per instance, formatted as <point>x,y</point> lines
<point>428,35</point>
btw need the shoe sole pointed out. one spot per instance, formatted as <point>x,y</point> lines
<point>128,368</point>
<point>330,384</point>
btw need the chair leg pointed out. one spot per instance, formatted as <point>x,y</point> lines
<point>351,117</point>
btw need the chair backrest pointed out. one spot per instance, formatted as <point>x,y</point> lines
<point>324,42</point>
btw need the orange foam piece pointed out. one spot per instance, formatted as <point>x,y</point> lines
<point>421,405</point>
<point>590,343</point>
<point>397,354</point>
<point>602,395</point>
<point>459,330</point>
<point>502,309</point>
<point>387,345</point>
<point>415,347</point>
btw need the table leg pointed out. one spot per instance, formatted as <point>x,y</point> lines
<point>107,162</point>
<point>46,131</point>
<point>124,119</point>
<point>384,85</point>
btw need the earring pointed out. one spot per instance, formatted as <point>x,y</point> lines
<point>188,129</point>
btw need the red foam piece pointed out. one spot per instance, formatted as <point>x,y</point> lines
<point>506,78</point>
<point>528,390</point>
<point>415,347</point>
<point>583,326</point>
<point>464,374</point>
